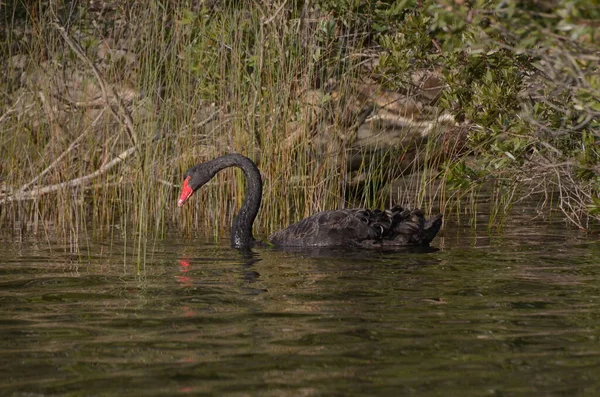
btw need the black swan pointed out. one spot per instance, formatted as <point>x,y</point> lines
<point>337,228</point>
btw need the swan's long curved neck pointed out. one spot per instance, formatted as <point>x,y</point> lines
<point>241,231</point>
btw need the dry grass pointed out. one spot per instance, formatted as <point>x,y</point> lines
<point>115,157</point>
<point>99,122</point>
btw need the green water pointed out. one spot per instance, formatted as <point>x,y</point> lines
<point>512,314</point>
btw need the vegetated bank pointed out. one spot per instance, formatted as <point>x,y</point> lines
<point>105,104</point>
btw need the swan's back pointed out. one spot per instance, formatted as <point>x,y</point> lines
<point>360,228</point>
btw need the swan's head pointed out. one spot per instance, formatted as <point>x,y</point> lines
<point>193,179</point>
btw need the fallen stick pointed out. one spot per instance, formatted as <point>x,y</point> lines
<point>32,194</point>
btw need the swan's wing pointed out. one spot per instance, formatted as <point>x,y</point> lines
<point>347,227</point>
<point>360,228</point>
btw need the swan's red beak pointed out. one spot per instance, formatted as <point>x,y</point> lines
<point>186,192</point>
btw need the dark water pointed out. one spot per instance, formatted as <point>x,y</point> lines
<point>512,314</point>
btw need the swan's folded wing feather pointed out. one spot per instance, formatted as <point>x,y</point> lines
<point>329,228</point>
<point>360,228</point>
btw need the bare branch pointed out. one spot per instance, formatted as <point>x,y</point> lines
<point>32,194</point>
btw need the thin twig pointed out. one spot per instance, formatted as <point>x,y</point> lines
<point>272,17</point>
<point>12,109</point>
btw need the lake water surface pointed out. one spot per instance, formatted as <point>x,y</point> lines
<point>515,313</point>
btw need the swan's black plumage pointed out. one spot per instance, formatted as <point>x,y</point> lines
<point>336,228</point>
<point>360,228</point>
